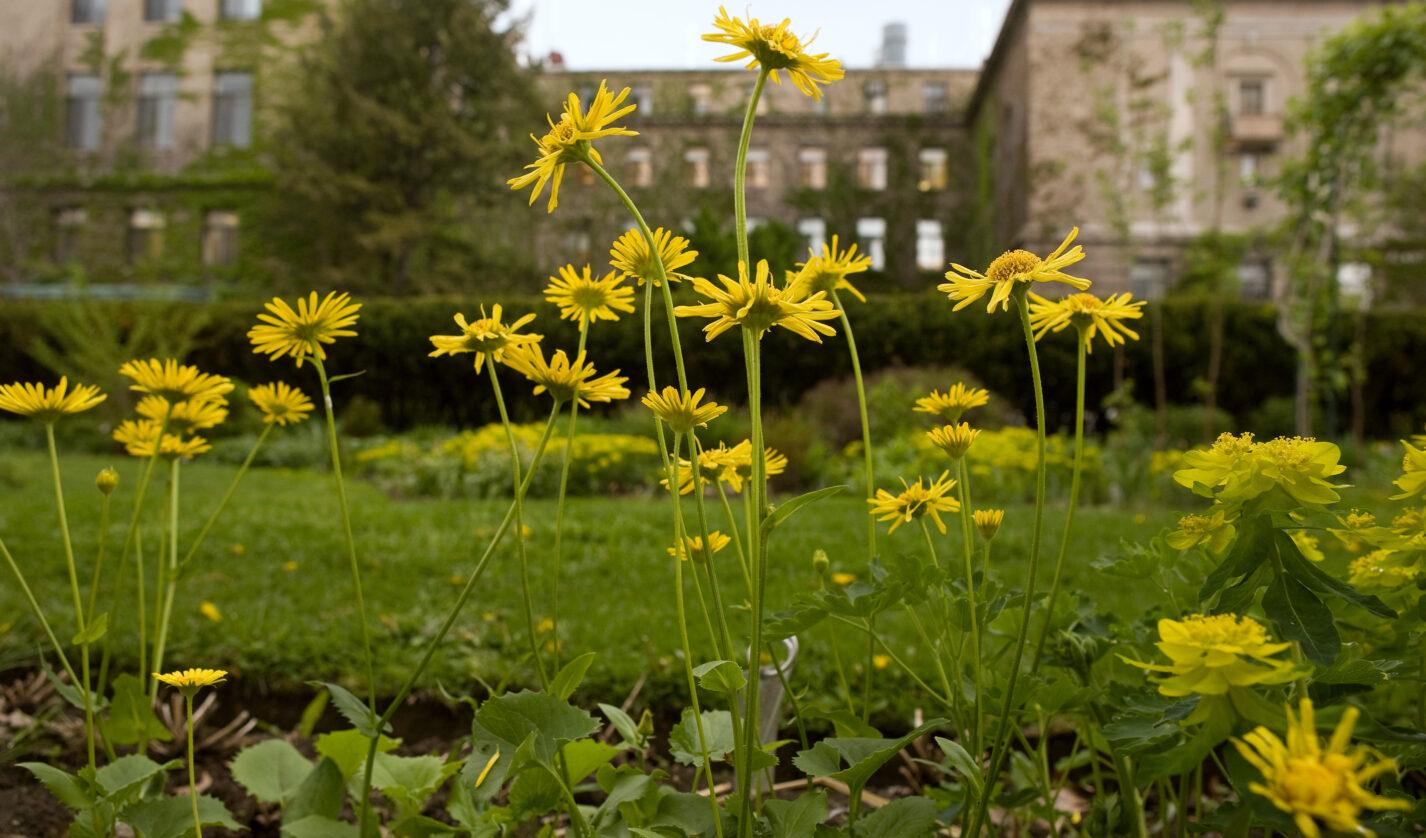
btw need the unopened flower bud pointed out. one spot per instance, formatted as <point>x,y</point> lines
<point>820,562</point>
<point>988,521</point>
<point>107,481</point>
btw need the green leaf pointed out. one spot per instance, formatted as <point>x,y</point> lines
<point>410,781</point>
<point>789,508</point>
<point>625,784</point>
<point>1249,551</point>
<point>514,717</point>
<point>270,770</point>
<point>318,826</point>
<point>131,719</point>
<point>683,741</point>
<point>1309,574</point>
<point>123,780</point>
<point>172,817</point>
<point>356,711</point>
<point>909,817</point>
<point>1299,615</point>
<point>344,376</point>
<point>720,677</point>
<point>797,817</point>
<point>571,676</point>
<point>862,757</point>
<point>683,811</point>
<point>67,788</point>
<point>94,631</point>
<point>625,724</point>
<point>312,714</point>
<point>964,764</point>
<point>347,748</point>
<point>72,693</point>
<point>805,613</point>
<point>320,794</point>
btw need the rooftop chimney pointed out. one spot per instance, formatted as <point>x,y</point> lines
<point>892,52</point>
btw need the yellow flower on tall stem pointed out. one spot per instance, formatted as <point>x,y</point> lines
<point>1091,316</point>
<point>758,305</point>
<point>692,547</point>
<point>48,404</point>
<point>280,403</point>
<point>185,417</point>
<point>988,522</point>
<point>584,299</point>
<point>174,381</point>
<point>565,380</point>
<point>570,140</point>
<point>189,682</point>
<point>1011,270</point>
<point>954,440</point>
<point>140,438</point>
<point>828,271</point>
<point>952,404</point>
<point>305,330</point>
<point>683,411</point>
<point>631,255</point>
<point>774,49</point>
<point>486,337</point>
<point>915,500</point>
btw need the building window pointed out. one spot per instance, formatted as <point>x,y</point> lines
<point>1149,278</point>
<point>933,97</point>
<point>1354,281</point>
<point>701,96</point>
<point>87,11</point>
<point>930,245</point>
<point>871,235</point>
<point>759,169</point>
<point>68,227</point>
<point>641,167</point>
<point>822,105</point>
<point>82,115</point>
<point>643,96</point>
<point>1252,97</point>
<point>812,168</point>
<point>813,232</point>
<point>240,9</point>
<point>220,238</point>
<point>1249,166</point>
<point>233,109</point>
<point>933,170</point>
<point>1255,279</point>
<point>695,161</point>
<point>871,168</point>
<point>162,11</point>
<point>145,235</point>
<point>158,95</point>
<point>875,93</point>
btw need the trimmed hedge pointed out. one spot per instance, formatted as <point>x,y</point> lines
<point>895,329</point>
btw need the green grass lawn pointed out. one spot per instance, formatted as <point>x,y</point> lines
<point>276,569</point>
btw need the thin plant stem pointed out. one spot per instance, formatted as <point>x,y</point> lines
<point>79,619</point>
<point>130,540</point>
<point>700,506</point>
<point>101,556</point>
<point>735,528</point>
<point>756,492</point>
<point>168,578</point>
<point>971,605</point>
<point>868,462</point>
<point>227,497</point>
<point>945,701</point>
<point>192,773</point>
<point>559,507</point>
<point>38,612</point>
<point>740,170</point>
<point>1128,789</point>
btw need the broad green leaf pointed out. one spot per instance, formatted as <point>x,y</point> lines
<point>356,711</point>
<point>312,714</point>
<point>94,631</point>
<point>1188,755</point>
<point>73,693</point>
<point>684,744</point>
<point>67,788</point>
<point>123,780</point>
<point>684,811</point>
<point>621,785</point>
<point>909,817</point>
<point>318,826</point>
<point>410,781</point>
<point>347,748</point>
<point>172,817</point>
<point>797,817</point>
<point>131,719</point>
<point>720,677</point>
<point>514,717</point>
<point>791,507</point>
<point>420,826</point>
<point>320,794</point>
<point>964,764</point>
<point>805,613</point>
<point>1249,551</point>
<point>625,724</point>
<point>853,761</point>
<point>1309,574</point>
<point>571,676</point>
<point>270,770</point>
<point>1299,615</point>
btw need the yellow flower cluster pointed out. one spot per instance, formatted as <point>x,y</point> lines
<point>1210,655</point>
<point>180,400</point>
<point>1236,469</point>
<point>758,305</point>
<point>732,466</point>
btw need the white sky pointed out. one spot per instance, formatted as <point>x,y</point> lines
<point>664,34</point>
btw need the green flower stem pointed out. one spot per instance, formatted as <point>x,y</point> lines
<point>99,559</point>
<point>978,731</point>
<point>1124,773</point>
<point>192,772</point>
<point>576,817</point>
<point>1001,740</point>
<point>868,462</point>
<point>528,600</point>
<point>735,529</point>
<point>168,578</point>
<point>944,701</point>
<point>1073,503</point>
<point>756,489</point>
<point>38,612</point>
<point>727,636</point>
<point>934,645</point>
<point>79,618</point>
<point>227,496</point>
<point>559,508</point>
<point>740,170</point>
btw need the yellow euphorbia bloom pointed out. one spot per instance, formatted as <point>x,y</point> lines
<point>1087,313</point>
<point>827,271</point>
<point>1384,570</point>
<point>1318,785</point>
<point>775,49</point>
<point>190,681</point>
<point>681,411</point>
<point>1209,655</point>
<point>631,255</point>
<point>1214,530</point>
<point>692,546</point>
<point>758,305</point>
<point>139,436</point>
<point>174,381</point>
<point>953,403</point>
<point>563,379</point>
<point>185,417</point>
<point>571,139</point>
<point>916,500</point>
<point>1009,270</point>
<point>584,299</point>
<point>1413,472</point>
<point>485,336</point>
<point>47,404</point>
<point>1236,469</point>
<point>955,440</point>
<point>280,403</point>
<point>304,331</point>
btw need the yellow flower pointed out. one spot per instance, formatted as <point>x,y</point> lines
<point>730,465</point>
<point>828,271</point>
<point>174,381</point>
<point>185,417</point>
<point>1308,544</point>
<point>1214,529</point>
<point>486,337</point>
<point>564,380</point>
<point>138,438</point>
<point>545,626</point>
<point>631,255</point>
<point>955,440</point>
<point>1209,655</point>
<point>953,403</point>
<point>571,140</point>
<point>988,522</point>
<point>693,546</point>
<point>916,500</point>
<point>842,580</point>
<point>209,610</point>
<point>1413,472</point>
<point>1300,466</point>
<point>1227,460</point>
<point>1087,313</point>
<point>880,661</point>
<point>48,404</point>
<point>758,305</point>
<point>1384,569</point>
<point>681,411</point>
<point>283,330</point>
<point>1319,786</point>
<point>190,681</point>
<point>586,299</point>
<point>280,403</point>
<point>290,566</point>
<point>107,481</point>
<point>775,49</point>
<point>1009,270</point>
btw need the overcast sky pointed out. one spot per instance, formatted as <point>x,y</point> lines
<point>664,34</point>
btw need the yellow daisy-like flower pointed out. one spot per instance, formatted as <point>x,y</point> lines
<point>955,440</point>
<point>732,466</point>
<point>47,404</point>
<point>1089,314</point>
<point>953,403</point>
<point>681,411</point>
<point>304,330</point>
<point>1009,271</point>
<point>1215,529</point>
<point>1413,472</point>
<point>775,49</point>
<point>827,271</point>
<point>571,140</point>
<point>842,580</point>
<point>138,438</point>
<point>486,336</point>
<point>190,681</point>
<point>1209,655</point>
<point>1383,570</point>
<point>630,255</point>
<point>280,403</point>
<point>585,299</point>
<point>1318,785</point>
<point>915,500</point>
<point>692,546</point>
<point>988,521</point>
<point>565,380</point>
<point>185,417</point>
<point>758,305</point>
<point>174,381</point>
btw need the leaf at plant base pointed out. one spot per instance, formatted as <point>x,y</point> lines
<point>410,781</point>
<point>172,817</point>
<point>720,677</point>
<point>805,613</point>
<point>797,817</point>
<point>909,817</point>
<point>270,770</point>
<point>321,794</point>
<point>1189,755</point>
<point>93,631</point>
<point>72,693</point>
<point>356,711</point>
<point>621,785</point>
<point>844,723</point>
<point>1309,574</point>
<point>788,508</point>
<point>684,811</point>
<point>536,792</point>
<point>312,713</point>
<point>625,724</point>
<point>514,717</point>
<point>123,780</point>
<point>1299,615</point>
<point>854,760</point>
<point>67,788</point>
<point>421,826</point>
<point>347,748</point>
<point>571,676</point>
<point>964,764</point>
<point>684,743</point>
<point>318,826</point>
<point>131,719</point>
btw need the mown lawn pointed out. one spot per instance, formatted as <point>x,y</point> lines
<point>276,570</point>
